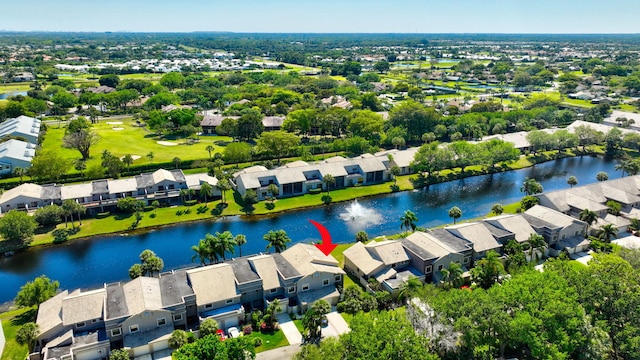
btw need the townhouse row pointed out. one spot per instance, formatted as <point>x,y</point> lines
<point>102,195</point>
<point>19,150</point>
<point>140,315</point>
<point>424,254</point>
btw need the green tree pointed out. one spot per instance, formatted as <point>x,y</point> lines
<point>381,66</point>
<point>240,240</point>
<point>69,208</point>
<point>455,213</point>
<point>362,236</point>
<point>49,215</point>
<point>17,227</point>
<point>312,321</point>
<point>249,125</point>
<point>395,171</point>
<point>607,232</point>
<point>110,80</point>
<point>208,327</point>
<point>150,156</point>
<point>588,216</point>
<point>176,162</point>
<point>531,187</point>
<point>237,152</point>
<point>488,270</point>
<point>328,181</point>
<point>178,339</point>
<point>35,292</point>
<point>614,207</point>
<point>452,275</point>
<point>415,118</point>
<point>408,220</point>
<point>222,243</point>
<point>273,191</point>
<point>172,80</point>
<point>277,239</point>
<point>212,348</point>
<point>277,143</point>
<point>409,288</point>
<point>48,165</point>
<point>119,354</point>
<point>136,271</point>
<point>206,190</point>
<point>210,149</point>
<point>223,185</point>
<point>28,334</point>
<point>497,209</point>
<point>127,160</point>
<point>20,172</point>
<point>535,242</point>
<point>528,201</point>
<point>202,251</point>
<point>572,181</point>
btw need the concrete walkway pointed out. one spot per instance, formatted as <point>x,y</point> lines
<point>282,353</point>
<point>336,327</point>
<point>291,332</point>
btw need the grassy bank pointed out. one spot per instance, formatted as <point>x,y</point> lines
<point>169,216</point>
<point>11,322</point>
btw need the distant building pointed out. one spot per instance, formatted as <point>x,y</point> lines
<point>15,154</point>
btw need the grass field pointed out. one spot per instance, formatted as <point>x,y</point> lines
<point>270,341</point>
<point>11,322</point>
<point>134,140</point>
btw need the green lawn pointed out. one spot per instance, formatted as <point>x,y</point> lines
<point>134,140</point>
<point>270,341</point>
<point>11,322</point>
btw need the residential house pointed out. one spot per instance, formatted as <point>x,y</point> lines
<point>516,225</point>
<point>23,126</point>
<point>15,154</point>
<point>560,231</point>
<point>431,255</point>
<point>479,235</point>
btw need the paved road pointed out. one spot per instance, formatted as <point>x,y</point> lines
<point>283,353</point>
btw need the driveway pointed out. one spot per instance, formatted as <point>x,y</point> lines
<point>291,332</point>
<point>336,327</point>
<point>282,353</point>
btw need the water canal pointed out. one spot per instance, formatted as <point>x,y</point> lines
<point>90,263</point>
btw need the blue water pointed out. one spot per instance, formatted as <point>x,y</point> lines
<point>14,93</point>
<point>90,263</point>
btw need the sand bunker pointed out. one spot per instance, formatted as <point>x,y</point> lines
<point>117,128</point>
<point>134,157</point>
<point>114,122</point>
<point>167,143</point>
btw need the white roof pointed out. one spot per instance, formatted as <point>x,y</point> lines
<point>308,259</point>
<point>83,307</point>
<point>76,191</point>
<point>361,258</point>
<point>195,180</point>
<point>430,244</point>
<point>213,283</point>
<point>551,216</point>
<point>122,185</point>
<point>27,190</point>
<point>17,150</point>
<point>50,313</point>
<point>515,224</point>
<point>267,269</point>
<point>477,233</point>
<point>142,294</point>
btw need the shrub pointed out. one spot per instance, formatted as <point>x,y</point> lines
<point>257,342</point>
<point>49,215</point>
<point>315,191</point>
<point>190,202</point>
<point>148,208</point>
<point>103,215</point>
<point>247,330</point>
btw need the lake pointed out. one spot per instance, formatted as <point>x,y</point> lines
<point>90,263</point>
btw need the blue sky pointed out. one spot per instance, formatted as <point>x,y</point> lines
<point>396,16</point>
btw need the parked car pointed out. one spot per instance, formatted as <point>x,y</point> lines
<point>233,332</point>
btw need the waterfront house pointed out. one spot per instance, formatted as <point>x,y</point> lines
<point>479,235</point>
<point>560,231</point>
<point>516,225</point>
<point>431,255</point>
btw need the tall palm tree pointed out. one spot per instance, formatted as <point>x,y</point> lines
<point>328,180</point>
<point>211,245</point>
<point>535,242</point>
<point>127,160</point>
<point>588,216</point>
<point>408,220</point>
<point>607,232</point>
<point>409,288</point>
<point>209,149</point>
<point>277,239</point>
<point>488,270</point>
<point>201,252</point>
<point>206,190</point>
<point>224,244</point>
<point>455,213</point>
<point>223,185</point>
<point>240,240</point>
<point>21,172</point>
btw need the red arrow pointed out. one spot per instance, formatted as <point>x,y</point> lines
<point>326,246</point>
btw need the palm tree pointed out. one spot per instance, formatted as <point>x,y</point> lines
<point>223,185</point>
<point>155,204</point>
<point>572,181</point>
<point>531,186</point>
<point>70,207</point>
<point>240,240</point>
<point>176,162</point>
<point>223,244</point>
<point>277,239</point>
<point>211,245</point>
<point>21,172</point>
<point>209,149</point>
<point>201,251</point>
<point>273,191</point>
<point>602,176</point>
<point>488,270</point>
<point>455,213</point>
<point>127,160</point>
<point>206,190</point>
<point>150,156</point>
<point>452,275</point>
<point>328,180</point>
<point>607,232</point>
<point>408,220</point>
<point>588,216</point>
<point>497,209</point>
<point>395,171</point>
<point>409,288</point>
<point>535,242</point>
<point>183,194</point>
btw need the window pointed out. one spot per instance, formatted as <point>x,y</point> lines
<point>305,287</point>
<point>133,328</point>
<point>466,260</point>
<point>81,324</point>
<point>177,317</point>
<point>325,282</point>
<point>337,278</point>
<point>94,321</point>
<point>116,332</point>
<point>208,306</point>
<point>439,267</point>
<point>427,269</point>
<point>229,301</point>
<point>273,291</point>
<point>162,322</point>
<point>291,289</point>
